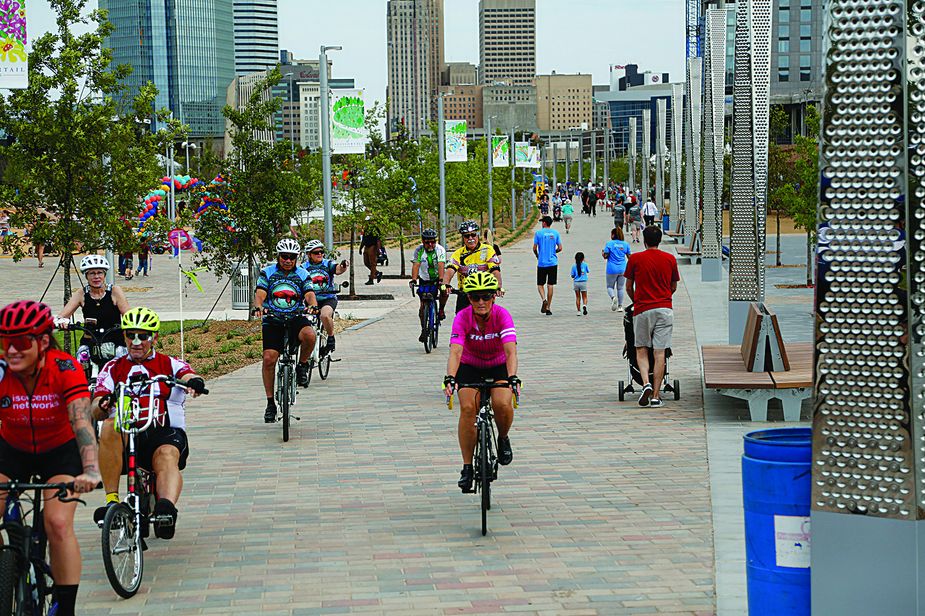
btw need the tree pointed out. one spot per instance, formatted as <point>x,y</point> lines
<point>77,151</point>
<point>259,188</point>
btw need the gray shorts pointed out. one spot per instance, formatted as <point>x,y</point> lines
<point>580,285</point>
<point>653,328</point>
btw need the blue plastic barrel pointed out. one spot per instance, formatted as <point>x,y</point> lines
<point>776,488</point>
<point>666,222</point>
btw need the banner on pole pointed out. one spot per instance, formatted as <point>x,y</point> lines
<point>456,141</point>
<point>348,117</point>
<point>526,156</point>
<point>533,157</point>
<point>14,61</point>
<point>500,151</point>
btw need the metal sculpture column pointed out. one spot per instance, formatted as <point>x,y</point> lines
<point>646,153</point>
<point>692,124</point>
<point>714,98</point>
<point>868,482</point>
<point>749,188</point>
<point>677,115</point>
<point>661,107</point>
<point>631,141</point>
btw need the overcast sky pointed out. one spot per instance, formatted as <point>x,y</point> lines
<point>573,36</point>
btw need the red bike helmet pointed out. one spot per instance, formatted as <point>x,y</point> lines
<point>26,318</point>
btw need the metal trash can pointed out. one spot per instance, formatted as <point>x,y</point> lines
<point>776,485</point>
<point>241,290</point>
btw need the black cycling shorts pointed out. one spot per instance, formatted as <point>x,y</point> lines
<point>147,442</point>
<point>273,333</point>
<point>328,301</point>
<point>547,275</point>
<point>22,465</point>
<point>470,374</point>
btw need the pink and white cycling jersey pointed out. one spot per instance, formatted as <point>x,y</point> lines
<point>483,348</point>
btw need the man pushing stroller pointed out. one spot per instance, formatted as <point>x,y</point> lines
<point>651,280</point>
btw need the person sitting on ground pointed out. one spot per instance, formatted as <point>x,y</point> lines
<point>652,278</point>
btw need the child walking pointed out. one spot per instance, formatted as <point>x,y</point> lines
<point>580,273</point>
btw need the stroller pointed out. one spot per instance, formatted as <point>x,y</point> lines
<point>383,257</point>
<point>557,212</point>
<point>673,387</point>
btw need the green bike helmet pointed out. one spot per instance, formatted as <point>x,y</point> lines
<point>480,281</point>
<point>141,318</point>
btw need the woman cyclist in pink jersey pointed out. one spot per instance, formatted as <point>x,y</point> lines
<point>483,346</point>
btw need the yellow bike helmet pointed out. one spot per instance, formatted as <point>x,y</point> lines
<point>141,318</point>
<point>480,281</point>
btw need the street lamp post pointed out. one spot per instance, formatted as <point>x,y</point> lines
<point>326,146</point>
<point>513,160</point>
<point>186,146</point>
<point>441,157</point>
<point>491,205</point>
<point>291,120</point>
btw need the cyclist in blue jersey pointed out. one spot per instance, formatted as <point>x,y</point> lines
<point>428,265</point>
<point>282,290</point>
<point>321,273</point>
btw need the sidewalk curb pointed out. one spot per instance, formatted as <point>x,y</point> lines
<point>360,326</point>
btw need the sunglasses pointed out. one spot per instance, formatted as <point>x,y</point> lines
<point>480,297</point>
<point>316,252</point>
<point>138,337</point>
<point>20,343</point>
<point>430,241</point>
<point>470,235</point>
<point>288,257</point>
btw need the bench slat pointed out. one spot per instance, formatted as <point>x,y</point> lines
<point>800,355</point>
<point>723,369</point>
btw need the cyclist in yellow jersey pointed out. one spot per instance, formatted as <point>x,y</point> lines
<point>473,256</point>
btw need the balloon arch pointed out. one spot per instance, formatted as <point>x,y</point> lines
<point>181,183</point>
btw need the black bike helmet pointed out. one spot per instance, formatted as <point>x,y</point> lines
<point>429,234</point>
<point>469,226</point>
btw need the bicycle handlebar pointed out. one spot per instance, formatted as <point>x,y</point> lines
<point>61,489</point>
<point>128,417</point>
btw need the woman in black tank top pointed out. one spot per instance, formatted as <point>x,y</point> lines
<point>105,303</point>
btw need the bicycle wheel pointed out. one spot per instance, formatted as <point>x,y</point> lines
<point>324,363</point>
<point>286,397</point>
<point>428,341</point>
<point>485,476</point>
<point>9,580</point>
<point>434,326</point>
<point>122,552</point>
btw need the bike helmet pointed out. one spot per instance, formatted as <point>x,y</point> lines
<point>429,234</point>
<point>288,245</point>
<point>26,318</point>
<point>313,245</point>
<point>92,262</point>
<point>141,318</point>
<point>469,226</point>
<point>480,281</point>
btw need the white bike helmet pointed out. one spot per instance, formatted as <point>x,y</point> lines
<point>288,245</point>
<point>313,245</point>
<point>93,262</point>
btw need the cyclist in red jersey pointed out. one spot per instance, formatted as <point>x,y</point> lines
<point>46,430</point>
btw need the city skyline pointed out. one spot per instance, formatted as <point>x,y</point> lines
<point>360,27</point>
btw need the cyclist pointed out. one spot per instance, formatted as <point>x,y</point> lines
<point>163,448</point>
<point>98,300</point>
<point>282,289</point>
<point>473,256</point>
<point>321,274</point>
<point>483,345</point>
<point>432,256</point>
<point>46,429</point>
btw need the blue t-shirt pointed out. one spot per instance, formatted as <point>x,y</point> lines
<point>546,240</point>
<point>285,290</point>
<point>583,275</point>
<point>321,278</point>
<point>617,252</point>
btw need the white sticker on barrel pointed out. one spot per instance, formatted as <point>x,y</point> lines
<point>791,541</point>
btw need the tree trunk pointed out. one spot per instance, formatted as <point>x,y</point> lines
<point>777,210</point>
<point>353,233</point>
<point>809,260</point>
<point>251,285</point>
<point>66,266</point>
<point>401,249</point>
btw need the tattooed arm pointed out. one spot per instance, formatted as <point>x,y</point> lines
<point>79,414</point>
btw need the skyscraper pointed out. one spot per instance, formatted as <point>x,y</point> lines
<point>507,41</point>
<point>256,35</point>
<point>415,61</point>
<point>184,47</point>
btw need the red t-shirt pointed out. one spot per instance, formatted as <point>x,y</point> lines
<point>40,423</point>
<point>652,271</point>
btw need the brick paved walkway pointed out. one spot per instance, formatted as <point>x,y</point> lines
<point>605,510</point>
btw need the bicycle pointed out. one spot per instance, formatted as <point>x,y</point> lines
<point>25,574</point>
<point>430,322</point>
<point>127,524</point>
<point>320,357</point>
<point>485,459</point>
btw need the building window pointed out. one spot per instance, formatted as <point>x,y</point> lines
<point>805,68</point>
<point>783,31</point>
<point>783,46</point>
<point>806,30</point>
<point>806,15</point>
<point>783,16</point>
<point>806,45</point>
<point>783,74</point>
<point>783,61</point>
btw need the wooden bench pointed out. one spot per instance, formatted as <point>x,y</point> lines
<point>761,368</point>
<point>684,252</point>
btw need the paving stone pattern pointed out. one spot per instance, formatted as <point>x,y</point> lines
<point>605,510</point>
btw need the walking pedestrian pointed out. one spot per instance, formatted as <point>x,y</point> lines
<point>580,273</point>
<point>616,252</point>
<point>144,252</point>
<point>635,216</point>
<point>546,246</point>
<point>652,278</point>
<point>370,244</point>
<point>649,212</point>
<point>592,201</point>
<point>568,212</point>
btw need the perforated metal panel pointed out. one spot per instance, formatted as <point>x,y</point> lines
<point>714,95</point>
<point>646,152</point>
<point>632,153</point>
<point>692,136</point>
<point>747,210</point>
<point>677,115</point>
<point>693,21</point>
<point>868,438</point>
<point>662,111</point>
